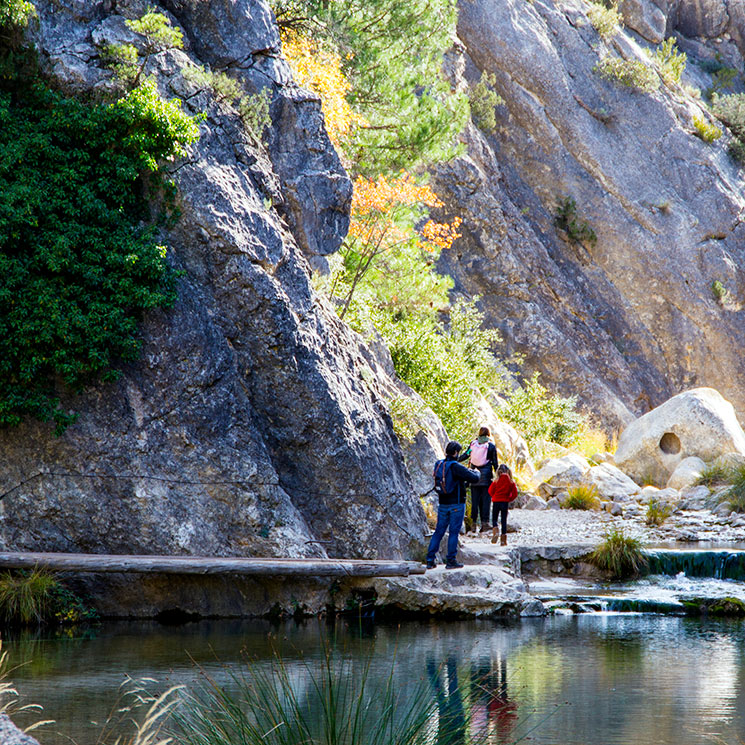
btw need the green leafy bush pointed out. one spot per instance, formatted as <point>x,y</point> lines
<point>582,497</point>
<point>540,416</point>
<point>78,265</point>
<point>670,61</point>
<point>578,230</point>
<point>605,19</point>
<point>657,512</point>
<point>484,100</point>
<point>15,13</point>
<point>706,131</point>
<point>628,73</point>
<point>619,555</point>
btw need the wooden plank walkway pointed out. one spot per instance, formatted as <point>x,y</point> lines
<point>258,567</point>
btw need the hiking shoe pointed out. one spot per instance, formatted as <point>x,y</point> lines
<point>431,565</point>
<point>494,538</point>
<point>453,565</point>
<point>485,528</point>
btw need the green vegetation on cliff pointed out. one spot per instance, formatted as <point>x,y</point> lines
<point>79,253</point>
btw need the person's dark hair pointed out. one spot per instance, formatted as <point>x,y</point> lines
<point>453,448</point>
<point>484,432</point>
<point>504,468</point>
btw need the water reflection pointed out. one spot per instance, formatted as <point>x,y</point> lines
<point>583,680</point>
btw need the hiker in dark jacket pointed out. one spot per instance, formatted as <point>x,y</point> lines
<point>450,483</point>
<point>482,453</point>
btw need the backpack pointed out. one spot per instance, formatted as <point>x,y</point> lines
<point>444,484</point>
<point>479,453</point>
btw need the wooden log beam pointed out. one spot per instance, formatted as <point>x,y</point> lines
<point>258,567</point>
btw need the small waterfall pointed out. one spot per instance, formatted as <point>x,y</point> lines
<point>711,564</point>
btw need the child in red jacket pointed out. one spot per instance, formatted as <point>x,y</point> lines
<point>502,492</point>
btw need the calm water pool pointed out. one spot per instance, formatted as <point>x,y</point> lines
<point>578,680</point>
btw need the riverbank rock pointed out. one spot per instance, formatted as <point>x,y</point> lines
<point>686,473</point>
<point>11,735</point>
<point>565,471</point>
<point>480,591</point>
<point>611,482</point>
<point>699,422</point>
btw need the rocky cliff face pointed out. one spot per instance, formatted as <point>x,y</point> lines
<point>253,424</point>
<point>631,319</point>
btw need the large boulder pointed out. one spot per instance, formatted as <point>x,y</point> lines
<point>686,473</point>
<point>699,422</point>
<point>611,482</point>
<point>568,470</point>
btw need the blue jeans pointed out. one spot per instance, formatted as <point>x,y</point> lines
<point>449,516</point>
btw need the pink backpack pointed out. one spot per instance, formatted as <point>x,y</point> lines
<point>479,453</point>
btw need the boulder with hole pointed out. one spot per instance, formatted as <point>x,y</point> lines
<point>699,422</point>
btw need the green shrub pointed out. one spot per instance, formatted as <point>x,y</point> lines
<point>605,19</point>
<point>15,13</point>
<point>578,230</point>
<point>78,262</point>
<point>720,292</point>
<point>736,150</point>
<point>658,512</point>
<point>721,79</point>
<point>731,110</point>
<point>540,416</point>
<point>706,131</point>
<point>406,414</point>
<point>619,555</point>
<point>582,497</point>
<point>484,100</point>
<point>629,73</point>
<point>670,61</point>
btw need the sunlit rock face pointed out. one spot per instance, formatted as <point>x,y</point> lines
<point>253,423</point>
<point>630,319</point>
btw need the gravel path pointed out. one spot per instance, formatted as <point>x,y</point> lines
<point>565,527</point>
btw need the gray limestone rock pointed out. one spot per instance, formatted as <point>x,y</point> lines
<point>628,320</point>
<point>254,423</point>
<point>646,18</point>
<point>11,735</point>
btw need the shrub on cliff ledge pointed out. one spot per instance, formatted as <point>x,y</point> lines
<point>79,259</point>
<point>628,73</point>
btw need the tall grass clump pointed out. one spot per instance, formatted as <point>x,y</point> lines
<point>619,555</point>
<point>276,705</point>
<point>26,597</point>
<point>714,474</point>
<point>36,598</point>
<point>658,512</point>
<point>582,497</point>
<point>735,495</point>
